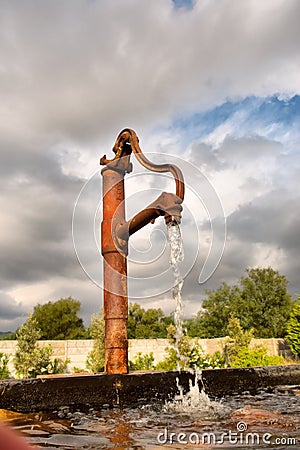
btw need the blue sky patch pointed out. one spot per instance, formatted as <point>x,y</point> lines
<point>183,3</point>
<point>270,117</point>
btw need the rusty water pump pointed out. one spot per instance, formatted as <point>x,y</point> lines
<point>115,233</point>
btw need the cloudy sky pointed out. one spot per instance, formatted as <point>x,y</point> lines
<point>210,85</point>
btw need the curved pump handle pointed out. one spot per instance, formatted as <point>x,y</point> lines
<point>129,137</point>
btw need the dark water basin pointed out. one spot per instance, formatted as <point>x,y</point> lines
<point>245,421</point>
<point>238,408</point>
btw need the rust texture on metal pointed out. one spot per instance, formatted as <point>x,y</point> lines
<point>128,138</point>
<point>167,204</point>
<point>115,273</point>
<point>115,232</point>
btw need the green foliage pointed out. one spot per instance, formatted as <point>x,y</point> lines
<point>293,329</point>
<point>256,356</point>
<point>27,353</point>
<point>4,372</point>
<point>96,358</point>
<point>79,370</point>
<point>190,355</point>
<point>57,365</point>
<point>31,360</point>
<point>9,336</point>
<point>266,304</point>
<point>147,324</point>
<point>169,362</point>
<point>59,320</point>
<point>237,352</point>
<point>142,362</point>
<point>212,320</point>
<point>261,302</point>
<point>238,341</point>
<point>43,364</point>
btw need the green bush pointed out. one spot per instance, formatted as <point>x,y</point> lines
<point>142,362</point>
<point>169,362</point>
<point>4,372</point>
<point>237,352</point>
<point>96,358</point>
<point>52,366</point>
<point>257,356</point>
<point>238,341</point>
<point>293,330</point>
<point>79,370</point>
<point>190,355</point>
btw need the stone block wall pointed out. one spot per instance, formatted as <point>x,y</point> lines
<point>77,350</point>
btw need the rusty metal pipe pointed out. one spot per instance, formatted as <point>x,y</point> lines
<point>124,230</point>
<point>115,232</point>
<point>115,274</point>
<point>128,136</point>
<point>168,205</point>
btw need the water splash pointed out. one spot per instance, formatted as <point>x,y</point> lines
<point>195,401</point>
<point>176,256</point>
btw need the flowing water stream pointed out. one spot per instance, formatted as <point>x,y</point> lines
<point>176,256</point>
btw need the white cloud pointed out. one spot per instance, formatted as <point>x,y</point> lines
<point>12,312</point>
<point>93,67</point>
<point>73,74</point>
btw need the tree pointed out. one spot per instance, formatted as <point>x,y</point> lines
<point>293,329</point>
<point>27,352</point>
<point>216,311</point>
<point>96,358</point>
<point>59,320</point>
<point>261,302</point>
<point>31,360</point>
<point>147,324</point>
<point>266,303</point>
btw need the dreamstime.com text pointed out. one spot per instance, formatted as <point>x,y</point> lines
<point>239,437</point>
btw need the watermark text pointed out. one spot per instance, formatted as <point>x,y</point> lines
<point>239,437</point>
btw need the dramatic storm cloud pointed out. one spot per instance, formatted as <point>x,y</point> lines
<point>212,84</point>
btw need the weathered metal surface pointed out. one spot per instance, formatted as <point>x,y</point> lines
<point>115,232</point>
<point>115,274</point>
<point>167,204</point>
<point>128,141</point>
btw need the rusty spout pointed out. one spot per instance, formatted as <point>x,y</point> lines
<point>115,232</point>
<point>167,205</point>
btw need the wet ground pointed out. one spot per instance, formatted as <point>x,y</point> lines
<point>266,420</point>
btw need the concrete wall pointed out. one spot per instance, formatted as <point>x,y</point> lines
<point>77,350</point>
